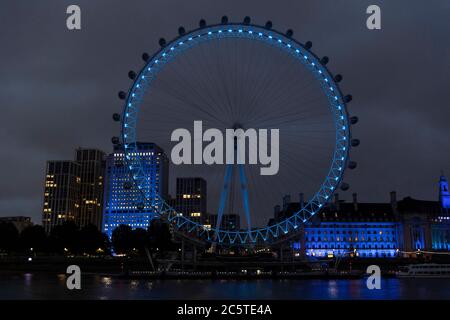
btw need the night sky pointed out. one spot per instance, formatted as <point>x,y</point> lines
<point>59,87</point>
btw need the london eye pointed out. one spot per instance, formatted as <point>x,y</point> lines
<point>249,77</point>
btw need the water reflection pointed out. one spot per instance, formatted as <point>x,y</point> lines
<point>28,277</point>
<point>333,289</point>
<point>106,281</point>
<point>53,286</point>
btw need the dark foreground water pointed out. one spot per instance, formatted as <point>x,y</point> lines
<point>51,286</point>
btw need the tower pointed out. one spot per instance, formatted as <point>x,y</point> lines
<point>444,194</point>
<point>92,167</point>
<point>61,193</point>
<point>121,203</point>
<point>191,198</point>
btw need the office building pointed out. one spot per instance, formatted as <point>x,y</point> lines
<point>190,199</point>
<point>129,205</point>
<point>92,171</point>
<point>61,193</point>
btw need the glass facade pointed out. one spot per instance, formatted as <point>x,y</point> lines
<point>123,202</point>
<point>190,199</point>
<point>92,171</point>
<point>61,193</point>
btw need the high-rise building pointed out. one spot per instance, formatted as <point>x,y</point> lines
<point>121,203</point>
<point>190,199</point>
<point>61,193</point>
<point>92,171</point>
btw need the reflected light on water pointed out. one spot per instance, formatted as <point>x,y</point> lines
<point>134,284</point>
<point>61,278</point>
<point>28,278</point>
<point>333,290</point>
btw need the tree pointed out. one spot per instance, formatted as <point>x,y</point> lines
<point>65,237</point>
<point>122,239</point>
<point>9,237</point>
<point>91,239</point>
<point>140,239</point>
<point>33,237</point>
<point>160,236</point>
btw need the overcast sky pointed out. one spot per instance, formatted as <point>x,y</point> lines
<point>58,88</point>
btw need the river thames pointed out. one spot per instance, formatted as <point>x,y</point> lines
<point>53,286</point>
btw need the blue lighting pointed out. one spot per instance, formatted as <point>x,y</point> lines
<point>120,203</point>
<point>444,193</point>
<point>261,34</point>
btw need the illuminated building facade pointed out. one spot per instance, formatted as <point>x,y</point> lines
<point>397,228</point>
<point>61,193</point>
<point>444,193</point>
<point>344,229</point>
<point>92,171</point>
<point>425,225</point>
<point>190,199</point>
<point>128,205</point>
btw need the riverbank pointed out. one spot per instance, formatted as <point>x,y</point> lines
<point>136,267</point>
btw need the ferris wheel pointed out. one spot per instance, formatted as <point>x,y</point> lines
<point>248,77</point>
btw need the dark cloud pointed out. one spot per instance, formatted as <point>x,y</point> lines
<point>58,88</point>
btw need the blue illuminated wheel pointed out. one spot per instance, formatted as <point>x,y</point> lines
<point>233,74</point>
